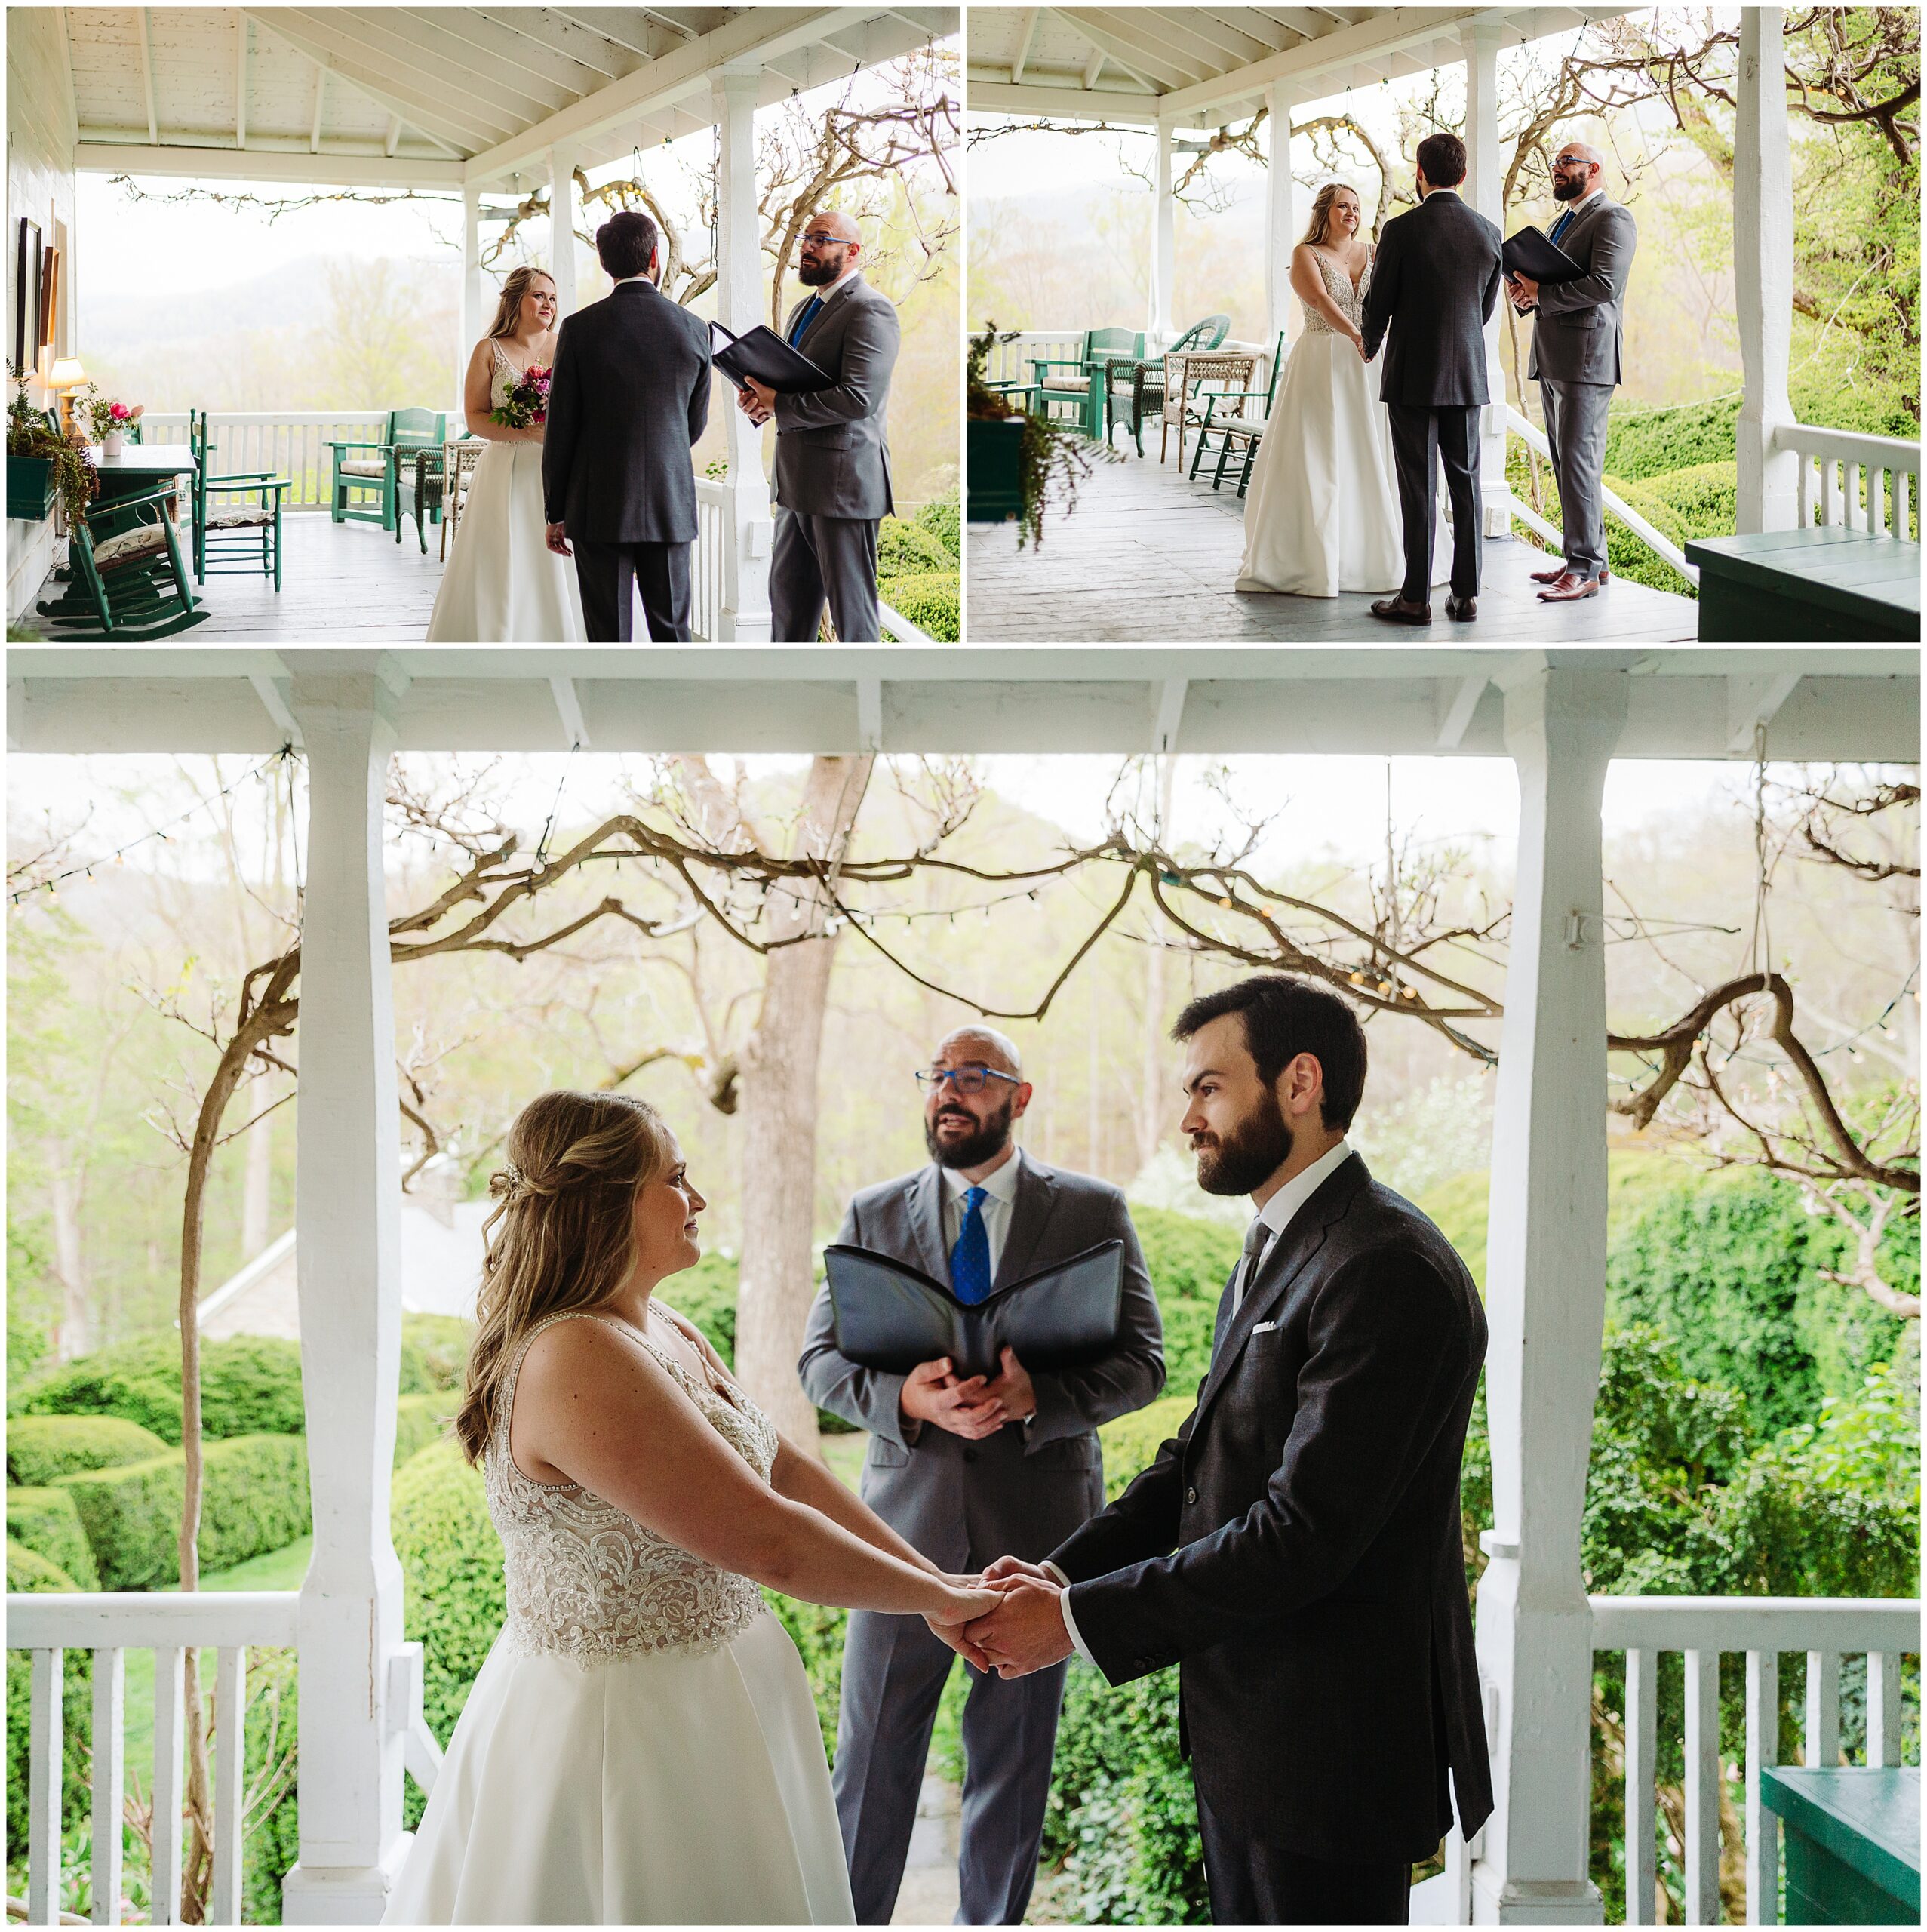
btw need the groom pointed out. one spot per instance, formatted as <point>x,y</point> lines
<point>628,399</point>
<point>1295,1549</point>
<point>1435,285</point>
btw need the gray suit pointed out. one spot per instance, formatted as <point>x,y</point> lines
<point>1019,1493</point>
<point>1578,336</point>
<point>832,471</point>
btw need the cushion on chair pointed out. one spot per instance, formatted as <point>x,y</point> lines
<point>130,543</point>
<point>1241,426</point>
<point>361,466</point>
<point>1069,385</point>
<point>239,519</point>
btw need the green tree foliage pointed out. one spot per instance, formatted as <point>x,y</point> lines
<point>249,1385</point>
<point>40,1448</point>
<point>45,1521</point>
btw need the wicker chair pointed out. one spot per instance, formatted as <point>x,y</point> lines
<point>458,463</point>
<point>1143,381</point>
<point>1237,417</point>
<point>1189,379</point>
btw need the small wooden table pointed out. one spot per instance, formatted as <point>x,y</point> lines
<point>1832,585</point>
<point>1853,1843</point>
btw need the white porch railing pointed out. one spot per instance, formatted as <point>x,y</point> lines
<point>1010,361</point>
<point>290,443</point>
<point>108,1625</point>
<point>1704,1628</point>
<point>1874,473</point>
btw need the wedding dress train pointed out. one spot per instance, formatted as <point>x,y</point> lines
<point>1322,513</point>
<point>503,584</point>
<point>641,1746</point>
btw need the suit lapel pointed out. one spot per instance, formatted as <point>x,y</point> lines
<point>1288,1259</point>
<point>927,1223</point>
<point>1036,1192</point>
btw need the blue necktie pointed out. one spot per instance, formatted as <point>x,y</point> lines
<point>1559,227</point>
<point>811,309</point>
<point>969,1259</point>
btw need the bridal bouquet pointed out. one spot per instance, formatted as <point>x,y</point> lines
<point>527,404</point>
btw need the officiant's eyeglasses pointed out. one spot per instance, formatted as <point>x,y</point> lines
<point>965,1079</point>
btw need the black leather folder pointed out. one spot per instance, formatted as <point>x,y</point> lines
<point>764,354</point>
<point>1530,253</point>
<point>892,1316</point>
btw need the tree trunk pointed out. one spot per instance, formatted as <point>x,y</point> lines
<point>65,1187</point>
<point>779,1107</point>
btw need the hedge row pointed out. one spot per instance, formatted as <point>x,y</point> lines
<point>40,1449</point>
<point>254,1499</point>
<point>932,600</point>
<point>420,1420</point>
<point>45,1521</point>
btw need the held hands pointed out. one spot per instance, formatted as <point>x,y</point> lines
<point>971,1408</point>
<point>968,1600</point>
<point>1026,1631</point>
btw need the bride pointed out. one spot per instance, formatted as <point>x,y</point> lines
<point>640,1746</point>
<point>1323,513</point>
<point>503,585</point>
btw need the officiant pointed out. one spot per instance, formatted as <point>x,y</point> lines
<point>969,1469</point>
<point>1578,336</point>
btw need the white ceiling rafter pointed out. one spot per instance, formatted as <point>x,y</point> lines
<point>1027,33</point>
<point>147,72</point>
<point>1141,52</point>
<point>241,80</point>
<point>464,74</point>
<point>1094,65</point>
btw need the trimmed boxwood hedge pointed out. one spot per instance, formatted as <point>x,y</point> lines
<point>434,1351</point>
<point>943,517</point>
<point>41,1448</point>
<point>27,1570</point>
<point>250,1385</point>
<point>420,1420</point>
<point>903,548</point>
<point>931,599</point>
<point>254,1500</point>
<point>45,1521</point>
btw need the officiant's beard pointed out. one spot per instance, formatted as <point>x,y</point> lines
<point>1243,1161</point>
<point>973,1150</point>
<point>1568,187</point>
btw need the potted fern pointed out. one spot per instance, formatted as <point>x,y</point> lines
<point>1015,461</point>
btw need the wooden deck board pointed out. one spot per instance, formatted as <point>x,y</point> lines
<point>1148,557</point>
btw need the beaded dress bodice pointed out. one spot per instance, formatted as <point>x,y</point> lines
<point>502,383</point>
<point>583,1580</point>
<point>1338,285</point>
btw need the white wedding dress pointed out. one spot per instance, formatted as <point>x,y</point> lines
<point>503,584</point>
<point>1322,514</point>
<point>640,1746</point>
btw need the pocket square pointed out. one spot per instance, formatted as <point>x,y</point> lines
<point>1264,1327</point>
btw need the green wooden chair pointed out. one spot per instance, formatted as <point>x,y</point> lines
<point>127,578</point>
<point>1081,384</point>
<point>1237,423</point>
<point>360,468</point>
<point>233,538</point>
<point>1144,380</point>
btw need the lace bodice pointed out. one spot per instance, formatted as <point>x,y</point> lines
<point>1338,285</point>
<point>504,379</point>
<point>586,1581</point>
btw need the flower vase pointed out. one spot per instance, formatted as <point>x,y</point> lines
<point>114,442</point>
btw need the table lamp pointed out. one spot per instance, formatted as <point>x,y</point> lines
<point>66,376</point>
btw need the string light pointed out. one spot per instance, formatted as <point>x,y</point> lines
<point>84,868</point>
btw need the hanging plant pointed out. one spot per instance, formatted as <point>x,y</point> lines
<point>1051,456</point>
<point>32,432</point>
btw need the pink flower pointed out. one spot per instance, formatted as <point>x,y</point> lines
<point>119,412</point>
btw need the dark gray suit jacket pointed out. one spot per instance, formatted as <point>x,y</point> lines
<point>1578,329</point>
<point>1437,273</point>
<point>832,449</point>
<point>629,397</point>
<point>1296,1548</point>
<point>1020,1492</point>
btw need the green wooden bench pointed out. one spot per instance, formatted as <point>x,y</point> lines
<point>1083,389</point>
<point>1826,586</point>
<point>1853,1842</point>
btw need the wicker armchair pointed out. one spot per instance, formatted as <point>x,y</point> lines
<point>1189,381</point>
<point>1143,382</point>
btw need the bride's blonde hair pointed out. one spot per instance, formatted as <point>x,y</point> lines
<point>1320,227</point>
<point>576,1162</point>
<point>508,309</point>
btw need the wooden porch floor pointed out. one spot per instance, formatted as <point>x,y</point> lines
<point>1147,557</point>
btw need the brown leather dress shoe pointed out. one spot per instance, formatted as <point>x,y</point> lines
<point>1396,610</point>
<point>1462,610</point>
<point>1554,576</point>
<point>1568,588</point>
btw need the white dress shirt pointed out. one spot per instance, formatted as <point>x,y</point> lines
<point>1000,1198</point>
<point>1276,1214</point>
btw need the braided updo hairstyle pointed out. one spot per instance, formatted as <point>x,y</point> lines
<point>564,1231</point>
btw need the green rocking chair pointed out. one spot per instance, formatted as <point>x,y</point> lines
<point>361,467</point>
<point>128,579</point>
<point>233,538</point>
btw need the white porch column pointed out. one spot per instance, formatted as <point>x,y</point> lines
<point>473,323</point>
<point>1763,273</point>
<point>1545,1300</point>
<point>1484,189</point>
<point>1164,252</point>
<point>1284,219</point>
<point>347,1212</point>
<point>562,225</point>
<point>746,531</point>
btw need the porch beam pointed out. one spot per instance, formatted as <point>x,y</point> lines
<point>1025,36</point>
<point>562,224</point>
<point>393,140</point>
<point>569,709</point>
<point>1171,696</point>
<point>1164,258</point>
<point>478,48</point>
<point>501,92</point>
<point>1094,65</point>
<point>1220,31</point>
<point>147,71</point>
<point>1762,273</point>
<point>630,28</point>
<point>1055,103</point>
<point>1752,705</point>
<point>1485,181</point>
<point>372,170</point>
<point>547,28</point>
<point>1545,1297</point>
<point>1461,700</point>
<point>240,32</point>
<point>1390,30</point>
<point>347,1210</point>
<point>1282,216</point>
<point>751,34</point>
<point>1146,55</point>
<point>471,307</point>
<point>485,32</point>
<point>321,104</point>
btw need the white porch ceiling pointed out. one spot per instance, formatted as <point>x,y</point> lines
<point>1817,703</point>
<point>1213,63</point>
<point>426,95</point>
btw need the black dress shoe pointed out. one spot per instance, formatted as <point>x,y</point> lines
<point>1396,610</point>
<point>1462,610</point>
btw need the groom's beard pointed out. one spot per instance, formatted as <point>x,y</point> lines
<point>973,1150</point>
<point>1243,1162</point>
